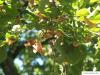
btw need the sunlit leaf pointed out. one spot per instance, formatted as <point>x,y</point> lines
<point>93,1</point>
<point>1,2</point>
<point>82,12</point>
<point>95,19</point>
<point>95,29</point>
<point>89,22</point>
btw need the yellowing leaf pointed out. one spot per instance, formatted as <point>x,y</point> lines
<point>38,46</point>
<point>82,12</point>
<point>89,22</point>
<point>31,2</point>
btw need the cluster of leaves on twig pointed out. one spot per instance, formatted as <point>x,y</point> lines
<point>66,31</point>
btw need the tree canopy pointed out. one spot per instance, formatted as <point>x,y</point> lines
<point>49,37</point>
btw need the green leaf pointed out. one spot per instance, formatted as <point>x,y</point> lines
<point>81,18</point>
<point>93,1</point>
<point>68,53</point>
<point>95,19</point>
<point>82,12</point>
<point>94,29</point>
<point>8,35</point>
<point>1,2</point>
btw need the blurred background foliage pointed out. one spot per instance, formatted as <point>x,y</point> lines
<point>49,37</point>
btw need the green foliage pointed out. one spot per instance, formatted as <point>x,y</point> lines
<point>61,32</point>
